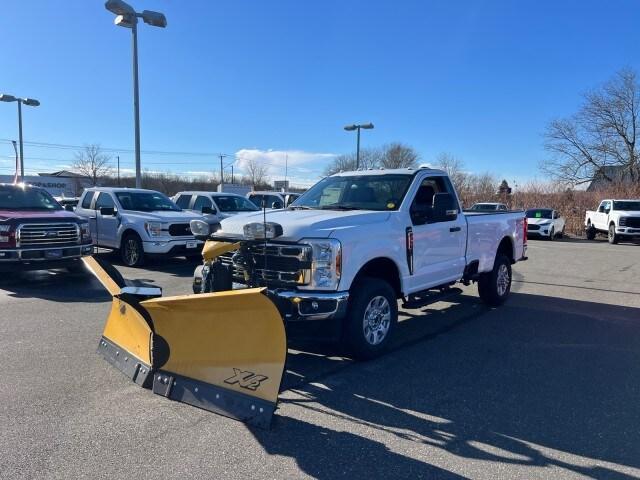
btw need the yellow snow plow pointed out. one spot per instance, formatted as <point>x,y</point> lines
<point>223,351</point>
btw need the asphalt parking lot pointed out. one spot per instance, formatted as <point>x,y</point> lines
<point>547,386</point>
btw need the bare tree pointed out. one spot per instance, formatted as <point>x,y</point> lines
<point>92,162</point>
<point>256,172</point>
<point>603,133</point>
<point>455,169</point>
<point>369,158</point>
<point>398,155</point>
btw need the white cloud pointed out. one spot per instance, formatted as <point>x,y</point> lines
<point>303,168</point>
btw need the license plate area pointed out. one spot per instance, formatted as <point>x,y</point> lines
<point>192,244</point>
<point>53,253</point>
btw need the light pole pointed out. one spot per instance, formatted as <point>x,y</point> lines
<point>351,128</point>
<point>27,101</point>
<point>127,17</point>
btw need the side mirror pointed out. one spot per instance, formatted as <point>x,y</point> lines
<point>209,211</point>
<point>277,205</point>
<point>68,208</point>
<point>444,207</point>
<point>107,211</point>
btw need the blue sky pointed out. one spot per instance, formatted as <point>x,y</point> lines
<point>258,78</point>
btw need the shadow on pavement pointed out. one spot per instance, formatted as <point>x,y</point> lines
<point>539,382</point>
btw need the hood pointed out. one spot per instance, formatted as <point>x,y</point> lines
<point>538,221</point>
<point>298,224</point>
<point>37,215</point>
<point>167,217</point>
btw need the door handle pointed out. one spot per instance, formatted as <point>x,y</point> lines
<point>455,229</point>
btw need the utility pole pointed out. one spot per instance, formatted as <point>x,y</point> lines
<point>286,165</point>
<point>118,157</point>
<point>232,182</point>
<point>222,155</point>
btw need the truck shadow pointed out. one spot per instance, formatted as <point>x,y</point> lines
<point>541,382</point>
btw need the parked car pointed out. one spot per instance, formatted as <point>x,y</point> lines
<point>343,254</point>
<point>272,200</point>
<point>620,219</point>
<point>213,205</point>
<point>545,223</point>
<point>138,223</point>
<point>489,207</point>
<point>37,233</point>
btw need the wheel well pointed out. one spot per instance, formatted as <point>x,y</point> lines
<point>129,231</point>
<point>506,248</point>
<point>384,269</point>
<point>612,223</point>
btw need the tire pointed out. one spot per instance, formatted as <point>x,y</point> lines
<point>613,238</point>
<point>131,250</point>
<point>371,318</point>
<point>493,286</point>
<point>561,234</point>
<point>591,232</point>
<point>552,234</point>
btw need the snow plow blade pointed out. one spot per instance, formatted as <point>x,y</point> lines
<point>224,352</point>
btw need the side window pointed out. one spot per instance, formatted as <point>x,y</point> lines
<point>273,201</point>
<point>201,201</point>
<point>104,200</point>
<point>421,209</point>
<point>291,198</point>
<point>256,200</point>
<point>86,201</point>
<point>503,207</point>
<point>183,201</point>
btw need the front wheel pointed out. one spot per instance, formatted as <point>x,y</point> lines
<point>131,251</point>
<point>371,318</point>
<point>613,238</point>
<point>494,286</point>
<point>552,234</point>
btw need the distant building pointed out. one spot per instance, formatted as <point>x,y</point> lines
<point>607,176</point>
<point>59,184</point>
<point>281,185</point>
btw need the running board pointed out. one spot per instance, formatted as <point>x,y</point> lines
<point>427,297</point>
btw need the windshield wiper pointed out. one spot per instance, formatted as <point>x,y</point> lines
<point>339,207</point>
<point>301,207</point>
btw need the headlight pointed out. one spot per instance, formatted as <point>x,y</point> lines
<point>154,229</point>
<point>4,233</point>
<point>200,228</point>
<point>84,230</point>
<point>261,231</point>
<point>326,263</point>
<point>623,221</point>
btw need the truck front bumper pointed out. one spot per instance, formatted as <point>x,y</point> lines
<point>167,246</point>
<point>297,306</point>
<point>632,232</point>
<point>24,259</point>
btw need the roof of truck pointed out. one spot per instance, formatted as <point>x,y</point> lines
<point>389,171</point>
<point>120,189</point>
<point>214,194</point>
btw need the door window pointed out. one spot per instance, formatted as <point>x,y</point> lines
<point>104,201</point>
<point>273,201</point>
<point>421,209</point>
<point>183,201</point>
<point>202,201</point>
<point>256,200</point>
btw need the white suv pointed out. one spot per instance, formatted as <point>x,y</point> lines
<point>138,223</point>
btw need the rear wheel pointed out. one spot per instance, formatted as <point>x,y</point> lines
<point>494,286</point>
<point>561,234</point>
<point>613,238</point>
<point>591,232</point>
<point>131,250</point>
<point>371,318</point>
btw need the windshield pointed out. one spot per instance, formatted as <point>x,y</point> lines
<point>484,207</point>
<point>627,205</point>
<point>146,202</point>
<point>26,198</point>
<point>234,204</point>
<point>539,213</point>
<point>363,192</point>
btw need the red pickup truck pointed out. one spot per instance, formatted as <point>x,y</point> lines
<point>36,233</point>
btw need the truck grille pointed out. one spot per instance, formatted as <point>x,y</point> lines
<point>633,222</point>
<point>286,265</point>
<point>180,230</point>
<point>47,234</point>
<point>533,227</point>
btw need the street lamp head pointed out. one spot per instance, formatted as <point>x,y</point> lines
<point>119,7</point>
<point>350,128</point>
<point>367,126</point>
<point>126,21</point>
<point>7,98</point>
<point>155,19</point>
<point>32,102</point>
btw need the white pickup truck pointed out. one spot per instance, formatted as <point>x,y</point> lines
<point>356,242</point>
<point>618,218</point>
<point>138,223</point>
